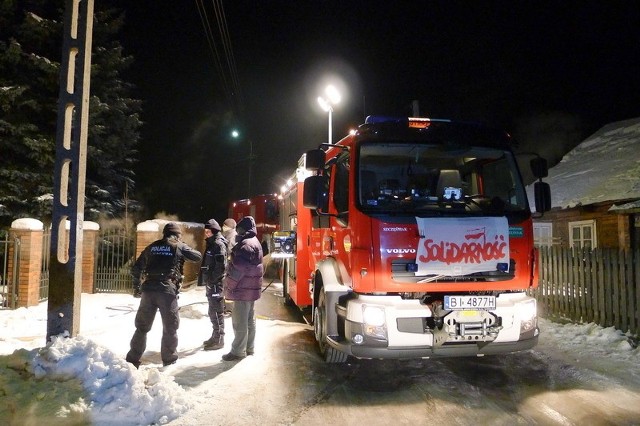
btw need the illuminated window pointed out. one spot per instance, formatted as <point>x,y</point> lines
<point>583,234</point>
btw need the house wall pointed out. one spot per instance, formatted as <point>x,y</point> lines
<point>612,229</point>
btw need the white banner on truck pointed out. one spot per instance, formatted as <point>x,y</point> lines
<point>461,246</point>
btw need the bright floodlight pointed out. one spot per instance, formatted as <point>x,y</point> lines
<point>334,97</point>
<point>333,94</point>
<point>324,104</point>
<point>235,133</point>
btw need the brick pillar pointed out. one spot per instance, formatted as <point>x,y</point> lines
<point>146,233</point>
<point>29,232</point>
<point>193,235</point>
<point>90,235</point>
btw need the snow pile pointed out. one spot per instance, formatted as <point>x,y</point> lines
<point>599,340</point>
<point>79,380</point>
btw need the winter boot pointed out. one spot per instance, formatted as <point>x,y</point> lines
<point>215,342</point>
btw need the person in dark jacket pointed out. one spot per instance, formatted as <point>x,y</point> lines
<point>157,276</point>
<point>242,285</point>
<point>229,233</point>
<point>214,265</point>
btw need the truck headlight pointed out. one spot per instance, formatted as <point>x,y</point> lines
<point>528,315</point>
<point>373,315</point>
<point>374,322</point>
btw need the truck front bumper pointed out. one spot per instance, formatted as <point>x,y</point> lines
<point>444,351</point>
<point>408,329</point>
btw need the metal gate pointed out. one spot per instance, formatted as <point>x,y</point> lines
<point>115,254</point>
<point>9,256</point>
<point>46,259</point>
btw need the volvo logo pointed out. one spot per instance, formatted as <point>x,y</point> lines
<point>400,251</point>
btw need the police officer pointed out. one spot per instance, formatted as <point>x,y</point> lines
<point>214,264</point>
<point>157,276</point>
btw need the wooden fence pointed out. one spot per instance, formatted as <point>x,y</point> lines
<point>600,286</point>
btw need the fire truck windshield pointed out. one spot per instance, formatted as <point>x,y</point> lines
<point>419,178</point>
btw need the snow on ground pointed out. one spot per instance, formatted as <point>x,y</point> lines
<point>86,380</point>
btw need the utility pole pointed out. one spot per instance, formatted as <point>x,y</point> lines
<point>250,167</point>
<point>65,273</point>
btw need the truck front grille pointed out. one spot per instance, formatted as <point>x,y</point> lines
<point>400,272</point>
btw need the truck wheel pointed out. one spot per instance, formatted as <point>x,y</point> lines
<point>330,354</point>
<point>286,299</point>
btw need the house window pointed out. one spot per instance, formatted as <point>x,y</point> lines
<point>543,234</point>
<point>583,234</point>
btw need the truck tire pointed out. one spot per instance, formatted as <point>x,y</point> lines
<point>328,353</point>
<point>286,299</point>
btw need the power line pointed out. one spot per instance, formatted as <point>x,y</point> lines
<point>218,47</point>
<point>226,41</point>
<point>213,48</point>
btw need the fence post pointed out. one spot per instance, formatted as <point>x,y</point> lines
<point>89,235</point>
<point>29,232</point>
<point>636,292</point>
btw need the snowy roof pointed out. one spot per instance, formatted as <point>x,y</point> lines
<point>604,167</point>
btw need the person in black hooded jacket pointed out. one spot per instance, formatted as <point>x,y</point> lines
<point>157,276</point>
<point>214,264</point>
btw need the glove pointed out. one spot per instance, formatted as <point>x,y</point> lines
<point>173,240</point>
<point>137,293</point>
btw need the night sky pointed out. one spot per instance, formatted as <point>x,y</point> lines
<point>550,73</point>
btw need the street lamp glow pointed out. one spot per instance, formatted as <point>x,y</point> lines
<point>235,133</point>
<point>333,94</point>
<point>326,105</point>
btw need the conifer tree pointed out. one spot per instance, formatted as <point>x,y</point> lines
<point>28,94</point>
<point>30,49</point>
<point>114,123</point>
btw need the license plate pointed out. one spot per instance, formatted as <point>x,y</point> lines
<point>458,303</point>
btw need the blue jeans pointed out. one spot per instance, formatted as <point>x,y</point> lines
<point>243,320</point>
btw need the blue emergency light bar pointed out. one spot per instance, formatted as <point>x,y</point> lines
<point>377,119</point>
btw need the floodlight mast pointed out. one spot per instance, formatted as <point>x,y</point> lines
<point>327,104</point>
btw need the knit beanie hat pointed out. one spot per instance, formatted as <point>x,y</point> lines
<point>229,223</point>
<point>171,229</point>
<point>212,225</point>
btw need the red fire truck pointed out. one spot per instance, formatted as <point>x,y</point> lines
<point>412,238</point>
<point>264,209</point>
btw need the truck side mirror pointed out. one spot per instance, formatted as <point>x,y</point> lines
<point>314,160</point>
<point>542,195</point>
<point>539,167</point>
<point>315,192</point>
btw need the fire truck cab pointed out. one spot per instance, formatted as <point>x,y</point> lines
<point>412,238</point>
